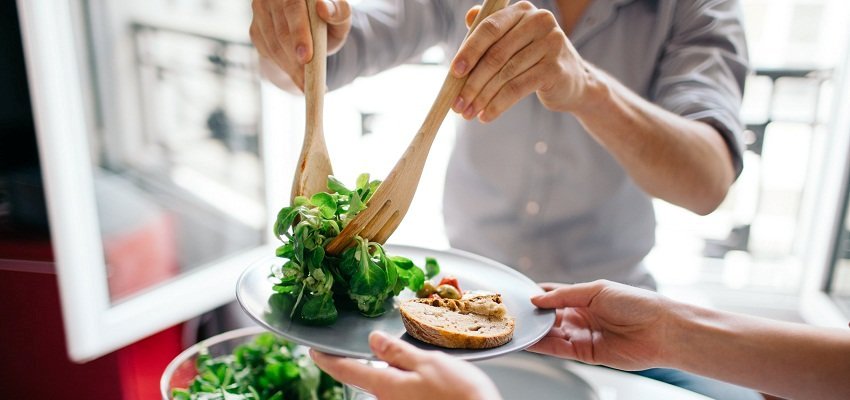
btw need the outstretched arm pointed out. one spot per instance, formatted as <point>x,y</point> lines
<point>681,147</point>
<point>624,327</point>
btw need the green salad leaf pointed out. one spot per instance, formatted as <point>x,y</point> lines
<point>266,368</point>
<point>312,284</point>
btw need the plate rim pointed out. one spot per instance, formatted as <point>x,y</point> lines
<point>484,354</point>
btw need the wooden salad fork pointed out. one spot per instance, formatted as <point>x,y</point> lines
<point>390,202</point>
<point>314,164</point>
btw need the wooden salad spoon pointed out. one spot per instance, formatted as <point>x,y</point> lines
<point>314,164</point>
<point>389,204</point>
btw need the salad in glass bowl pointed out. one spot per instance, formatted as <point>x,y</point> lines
<point>248,364</point>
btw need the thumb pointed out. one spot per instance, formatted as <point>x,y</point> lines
<point>578,295</point>
<point>334,12</point>
<point>395,352</point>
<point>471,14</point>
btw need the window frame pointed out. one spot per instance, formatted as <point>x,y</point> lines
<point>94,324</point>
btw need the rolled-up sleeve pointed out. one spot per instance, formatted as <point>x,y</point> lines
<point>703,67</point>
<point>387,33</point>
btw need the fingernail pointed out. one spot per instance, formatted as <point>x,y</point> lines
<point>379,340</point>
<point>331,8</point>
<point>301,52</point>
<point>460,67</point>
<point>469,112</point>
<point>459,104</point>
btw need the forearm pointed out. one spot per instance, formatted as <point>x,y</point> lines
<point>684,162</point>
<point>387,33</point>
<point>785,359</point>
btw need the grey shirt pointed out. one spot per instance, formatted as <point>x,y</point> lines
<point>532,189</point>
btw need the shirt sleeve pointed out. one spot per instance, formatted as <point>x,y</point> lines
<point>387,33</point>
<point>702,69</point>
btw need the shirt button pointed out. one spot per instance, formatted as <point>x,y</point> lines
<point>532,208</point>
<point>524,263</point>
<point>541,147</point>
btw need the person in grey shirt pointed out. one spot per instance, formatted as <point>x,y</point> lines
<point>633,99</point>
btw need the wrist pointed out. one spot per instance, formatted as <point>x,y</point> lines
<point>597,93</point>
<point>691,335</point>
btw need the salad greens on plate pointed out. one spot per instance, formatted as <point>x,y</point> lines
<point>267,368</point>
<point>312,285</point>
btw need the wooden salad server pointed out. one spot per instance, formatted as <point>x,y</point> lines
<point>389,204</point>
<point>314,164</point>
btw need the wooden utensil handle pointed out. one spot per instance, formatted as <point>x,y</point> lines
<point>315,72</point>
<point>452,86</point>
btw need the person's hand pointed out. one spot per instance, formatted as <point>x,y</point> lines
<point>280,30</point>
<point>412,373</point>
<point>515,52</point>
<point>606,323</point>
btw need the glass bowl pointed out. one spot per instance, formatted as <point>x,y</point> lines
<point>181,370</point>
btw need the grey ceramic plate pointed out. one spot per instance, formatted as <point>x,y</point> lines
<point>349,335</point>
<point>522,374</point>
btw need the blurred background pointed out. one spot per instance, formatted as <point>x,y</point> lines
<point>192,154</point>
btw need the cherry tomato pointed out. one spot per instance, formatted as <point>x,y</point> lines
<point>450,280</point>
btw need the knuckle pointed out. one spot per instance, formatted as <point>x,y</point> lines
<point>510,69</point>
<point>555,36</point>
<point>525,6</point>
<point>513,88</point>
<point>495,57</point>
<point>491,27</point>
<point>601,283</point>
<point>544,17</point>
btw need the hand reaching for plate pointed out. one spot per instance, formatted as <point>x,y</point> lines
<point>412,373</point>
<point>606,323</point>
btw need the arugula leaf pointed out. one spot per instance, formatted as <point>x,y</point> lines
<point>370,282</point>
<point>319,310</point>
<point>263,369</point>
<point>402,262</point>
<point>365,276</point>
<point>417,279</point>
<point>326,203</point>
<point>284,219</point>
<point>362,181</point>
<point>432,269</point>
<point>336,186</point>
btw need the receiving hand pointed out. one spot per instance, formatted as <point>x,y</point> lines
<point>280,30</point>
<point>412,373</point>
<point>513,53</point>
<point>606,323</point>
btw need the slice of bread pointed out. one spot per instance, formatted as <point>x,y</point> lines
<point>454,323</point>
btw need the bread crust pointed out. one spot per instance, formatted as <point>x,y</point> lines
<point>455,327</point>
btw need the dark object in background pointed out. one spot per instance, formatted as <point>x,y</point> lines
<point>22,205</point>
<point>22,208</point>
